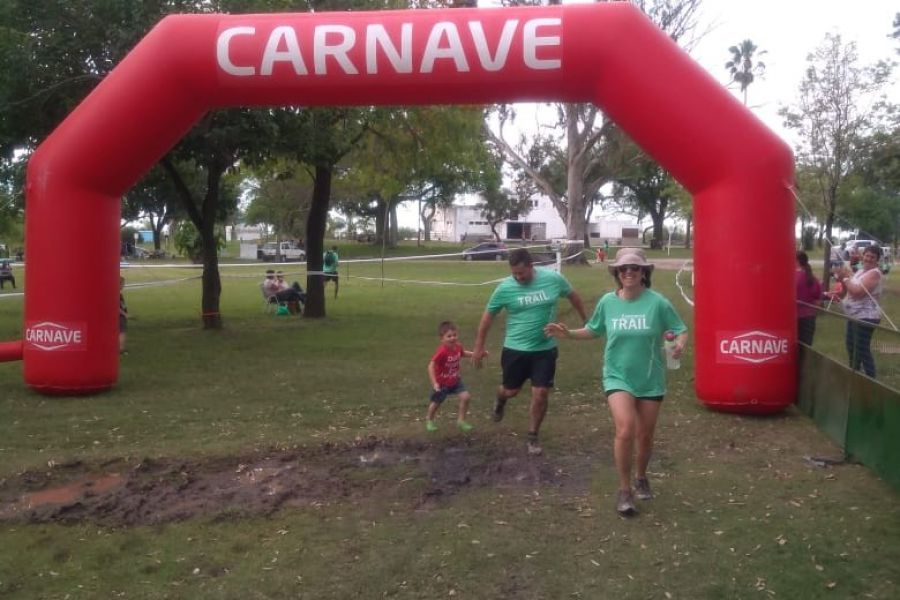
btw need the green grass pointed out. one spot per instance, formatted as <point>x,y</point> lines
<point>739,513</point>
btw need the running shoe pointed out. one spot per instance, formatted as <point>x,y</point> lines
<point>642,489</point>
<point>430,426</point>
<point>534,447</point>
<point>464,426</point>
<point>499,407</point>
<point>625,503</point>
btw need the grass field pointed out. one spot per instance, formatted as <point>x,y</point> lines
<point>303,443</point>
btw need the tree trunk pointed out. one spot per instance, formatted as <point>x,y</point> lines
<point>212,284</point>
<point>687,231</point>
<point>831,201</point>
<point>394,238</point>
<point>380,221</point>
<point>315,243</point>
<point>427,215</point>
<point>577,157</point>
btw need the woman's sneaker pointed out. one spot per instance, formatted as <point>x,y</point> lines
<point>430,426</point>
<point>465,426</point>
<point>625,503</point>
<point>642,489</point>
<point>533,446</point>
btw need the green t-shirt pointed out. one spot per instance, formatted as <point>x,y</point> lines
<point>330,260</point>
<point>633,360</point>
<point>529,308</point>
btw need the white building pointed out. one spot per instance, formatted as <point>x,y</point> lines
<point>542,222</point>
<point>244,233</point>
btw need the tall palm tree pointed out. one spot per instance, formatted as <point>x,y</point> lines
<point>741,66</point>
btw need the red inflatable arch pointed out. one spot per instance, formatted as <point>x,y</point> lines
<point>607,54</point>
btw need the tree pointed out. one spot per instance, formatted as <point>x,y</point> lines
<point>427,155</point>
<point>571,167</point>
<point>741,66</point>
<point>837,107</point>
<point>214,147</point>
<point>281,200</point>
<point>645,187</point>
<point>154,198</point>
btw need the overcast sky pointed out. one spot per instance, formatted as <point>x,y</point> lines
<point>788,31</point>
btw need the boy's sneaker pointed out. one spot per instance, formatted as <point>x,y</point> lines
<point>499,407</point>
<point>533,446</point>
<point>464,426</point>
<point>642,489</point>
<point>430,426</point>
<point>625,504</point>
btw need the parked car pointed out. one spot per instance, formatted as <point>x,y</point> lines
<point>859,245</point>
<point>282,251</point>
<point>486,251</point>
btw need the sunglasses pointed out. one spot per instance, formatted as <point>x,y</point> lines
<point>627,268</point>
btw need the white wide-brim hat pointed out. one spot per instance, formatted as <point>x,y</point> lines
<point>630,256</point>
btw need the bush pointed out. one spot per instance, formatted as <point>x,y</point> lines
<point>189,243</point>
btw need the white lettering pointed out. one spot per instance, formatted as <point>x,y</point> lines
<point>223,56</point>
<point>376,35</point>
<point>291,54</point>
<point>481,45</point>
<point>433,50</point>
<point>762,347</point>
<point>338,51</point>
<point>531,42</point>
<point>284,44</point>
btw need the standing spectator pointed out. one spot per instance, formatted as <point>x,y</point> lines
<point>530,296</point>
<point>330,268</point>
<point>123,318</point>
<point>6,274</point>
<point>634,320</point>
<point>809,297</point>
<point>862,292</point>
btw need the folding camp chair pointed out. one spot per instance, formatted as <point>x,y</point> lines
<point>271,303</point>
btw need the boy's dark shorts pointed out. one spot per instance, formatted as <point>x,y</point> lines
<point>520,366</point>
<point>330,277</point>
<point>438,397</point>
<point>123,323</point>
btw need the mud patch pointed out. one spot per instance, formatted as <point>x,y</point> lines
<point>155,491</point>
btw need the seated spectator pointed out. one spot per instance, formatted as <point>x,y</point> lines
<point>6,274</point>
<point>276,289</point>
<point>269,285</point>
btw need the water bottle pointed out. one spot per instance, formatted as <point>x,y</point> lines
<point>669,345</point>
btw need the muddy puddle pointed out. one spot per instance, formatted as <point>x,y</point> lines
<point>154,491</point>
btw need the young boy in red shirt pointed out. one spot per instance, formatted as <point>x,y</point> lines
<point>443,370</point>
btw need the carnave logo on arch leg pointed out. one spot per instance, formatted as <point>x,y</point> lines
<point>754,347</point>
<point>50,336</point>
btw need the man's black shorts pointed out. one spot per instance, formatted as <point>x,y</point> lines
<point>519,366</point>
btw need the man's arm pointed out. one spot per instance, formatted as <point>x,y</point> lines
<point>578,305</point>
<point>478,352</point>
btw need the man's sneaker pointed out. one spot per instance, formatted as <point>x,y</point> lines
<point>625,503</point>
<point>430,426</point>
<point>642,489</point>
<point>464,426</point>
<point>499,407</point>
<point>534,447</point>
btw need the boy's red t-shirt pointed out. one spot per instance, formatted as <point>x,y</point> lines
<point>446,364</point>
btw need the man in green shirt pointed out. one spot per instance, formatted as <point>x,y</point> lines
<point>330,268</point>
<point>530,296</point>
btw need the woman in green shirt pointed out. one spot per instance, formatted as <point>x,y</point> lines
<point>633,319</point>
